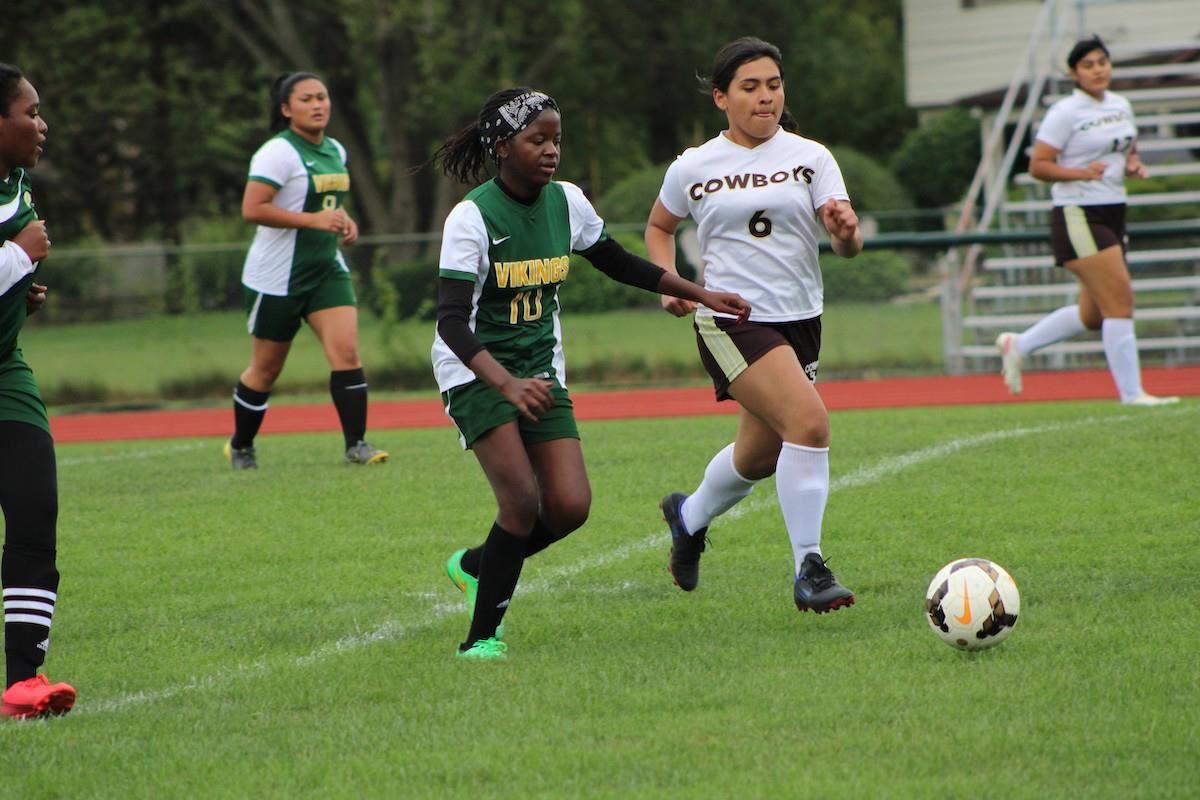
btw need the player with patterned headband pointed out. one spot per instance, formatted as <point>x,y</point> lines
<point>294,272</point>
<point>498,350</point>
<point>28,474</point>
<point>761,197</point>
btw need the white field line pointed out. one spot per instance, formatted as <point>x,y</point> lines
<point>132,455</point>
<point>393,630</point>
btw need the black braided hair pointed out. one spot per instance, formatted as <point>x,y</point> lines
<point>463,156</point>
<point>281,92</point>
<point>732,56</point>
<point>10,82</point>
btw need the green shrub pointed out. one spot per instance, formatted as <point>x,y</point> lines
<point>873,275</point>
<point>872,187</point>
<point>208,280</point>
<point>937,161</point>
<point>630,199</point>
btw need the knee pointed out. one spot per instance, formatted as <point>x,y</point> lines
<point>518,510</point>
<point>810,432</point>
<point>345,357</point>
<point>566,516</point>
<point>262,375</point>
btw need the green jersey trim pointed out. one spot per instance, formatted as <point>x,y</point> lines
<point>267,181</point>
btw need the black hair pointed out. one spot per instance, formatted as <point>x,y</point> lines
<point>732,56</point>
<point>281,91</point>
<point>463,156</point>
<point>10,83</point>
<point>1082,48</point>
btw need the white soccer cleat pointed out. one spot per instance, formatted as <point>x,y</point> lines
<point>1010,361</point>
<point>1148,400</point>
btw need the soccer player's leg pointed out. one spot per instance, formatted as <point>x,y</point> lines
<point>29,497</point>
<point>332,313</point>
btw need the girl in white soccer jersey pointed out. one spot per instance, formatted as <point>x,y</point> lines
<point>498,353</point>
<point>294,272</point>
<point>28,477</point>
<point>1086,146</point>
<point>760,196</point>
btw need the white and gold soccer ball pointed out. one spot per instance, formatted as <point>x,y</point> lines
<point>972,603</point>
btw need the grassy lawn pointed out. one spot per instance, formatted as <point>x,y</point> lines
<point>198,357</point>
<point>290,632</point>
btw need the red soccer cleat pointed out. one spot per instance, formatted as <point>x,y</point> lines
<point>37,697</point>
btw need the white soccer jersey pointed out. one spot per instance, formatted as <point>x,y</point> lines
<point>308,177</point>
<point>757,221</point>
<point>1083,129</point>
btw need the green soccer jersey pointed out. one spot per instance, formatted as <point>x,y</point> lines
<point>310,178</point>
<point>19,397</point>
<point>517,255</point>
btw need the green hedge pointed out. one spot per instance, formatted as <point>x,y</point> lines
<point>871,276</point>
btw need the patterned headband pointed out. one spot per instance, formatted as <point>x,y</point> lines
<point>512,118</point>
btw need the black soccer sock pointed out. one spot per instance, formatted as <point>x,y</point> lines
<point>29,498</point>
<point>249,408</point>
<point>499,569</point>
<point>539,539</point>
<point>348,387</point>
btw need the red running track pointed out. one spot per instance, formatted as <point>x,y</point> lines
<point>632,404</point>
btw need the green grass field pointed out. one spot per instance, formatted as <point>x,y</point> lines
<point>197,358</point>
<point>290,632</point>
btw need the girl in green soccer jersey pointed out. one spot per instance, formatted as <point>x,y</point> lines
<point>498,352</point>
<point>28,476</point>
<point>294,272</point>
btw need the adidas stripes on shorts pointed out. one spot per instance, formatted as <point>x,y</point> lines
<point>1080,231</point>
<point>727,348</point>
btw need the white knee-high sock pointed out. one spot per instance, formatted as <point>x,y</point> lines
<point>721,488</point>
<point>802,482</point>
<point>1062,323</point>
<point>1120,348</point>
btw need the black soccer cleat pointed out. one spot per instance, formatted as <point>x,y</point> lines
<point>684,559</point>
<point>817,590</point>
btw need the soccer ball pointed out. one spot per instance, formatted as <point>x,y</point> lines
<point>972,604</point>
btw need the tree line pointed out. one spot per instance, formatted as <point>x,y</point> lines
<point>155,107</point>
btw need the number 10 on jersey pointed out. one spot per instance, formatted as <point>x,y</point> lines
<point>522,302</point>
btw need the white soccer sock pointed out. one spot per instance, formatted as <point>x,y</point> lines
<point>1120,348</point>
<point>721,488</point>
<point>802,482</point>
<point>1062,323</point>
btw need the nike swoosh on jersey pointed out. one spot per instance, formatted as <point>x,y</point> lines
<point>10,209</point>
<point>501,239</point>
<point>310,163</point>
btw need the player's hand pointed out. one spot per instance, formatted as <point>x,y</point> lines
<point>728,303</point>
<point>839,219</point>
<point>1094,171</point>
<point>531,396</point>
<point>351,232</point>
<point>333,220</point>
<point>677,305</point>
<point>35,298</point>
<point>1134,168</point>
<point>33,240</point>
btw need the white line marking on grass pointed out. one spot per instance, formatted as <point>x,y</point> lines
<point>394,630</point>
<point>130,455</point>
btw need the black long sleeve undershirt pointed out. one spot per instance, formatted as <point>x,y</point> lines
<point>454,296</point>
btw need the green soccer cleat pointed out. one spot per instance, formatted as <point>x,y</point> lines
<point>485,650</point>
<point>467,584</point>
